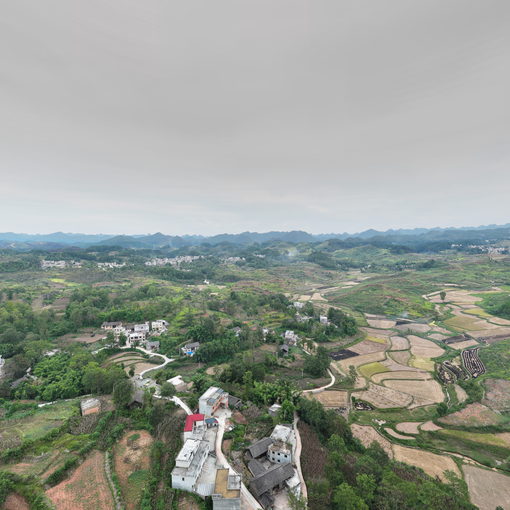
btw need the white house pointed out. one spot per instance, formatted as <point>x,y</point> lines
<point>323,319</point>
<point>188,464</point>
<point>290,337</point>
<point>159,325</point>
<point>142,328</point>
<point>212,400</point>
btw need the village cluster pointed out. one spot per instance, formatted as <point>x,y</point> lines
<point>138,335</point>
<point>202,468</point>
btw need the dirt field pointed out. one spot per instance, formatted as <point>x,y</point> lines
<point>473,415</point>
<point>421,347</point>
<point>381,333</point>
<point>401,375</point>
<point>381,323</point>
<point>367,435</point>
<point>186,502</point>
<point>15,502</point>
<point>401,357</point>
<point>461,393</point>
<point>487,489</point>
<point>396,435</point>
<point>399,343</point>
<point>331,398</point>
<point>431,463</point>
<point>497,395</point>
<point>409,427</point>
<point>414,328</point>
<point>367,347</point>
<point>131,461</point>
<point>430,426</point>
<point>360,360</point>
<point>392,365</point>
<point>382,397</point>
<point>464,345</point>
<point>427,390</point>
<point>87,488</point>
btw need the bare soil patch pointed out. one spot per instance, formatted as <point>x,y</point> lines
<point>187,502</point>
<point>313,455</point>
<point>382,333</point>
<point>367,347</point>
<point>402,375</point>
<point>87,488</point>
<point>487,489</point>
<point>401,357</point>
<point>359,360</point>
<point>433,464</point>
<point>392,365</point>
<point>473,415</point>
<point>420,347</point>
<point>464,345</point>
<point>414,327</point>
<point>384,397</point>
<point>430,426</point>
<point>131,459</point>
<point>367,435</point>
<point>381,323</point>
<point>437,336</point>
<point>396,435</point>
<point>461,393</point>
<point>399,343</point>
<point>429,390</point>
<point>409,427</point>
<point>331,399</point>
<point>497,395</point>
<point>15,502</point>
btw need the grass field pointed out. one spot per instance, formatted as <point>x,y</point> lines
<point>496,358</point>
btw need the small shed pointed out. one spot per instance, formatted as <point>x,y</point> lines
<point>90,406</point>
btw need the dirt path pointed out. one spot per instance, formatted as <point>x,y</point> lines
<point>249,502</point>
<point>297,458</point>
<point>322,388</point>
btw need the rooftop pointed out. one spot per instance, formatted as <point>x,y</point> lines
<point>260,447</point>
<point>190,420</point>
<point>271,478</point>
<point>228,486</point>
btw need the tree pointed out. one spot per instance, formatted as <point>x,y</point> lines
<point>442,295</point>
<point>345,498</point>
<point>286,413</point>
<point>123,393</point>
<point>167,389</point>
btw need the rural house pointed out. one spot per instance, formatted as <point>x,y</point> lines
<point>212,400</point>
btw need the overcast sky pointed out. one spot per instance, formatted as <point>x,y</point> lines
<point>129,116</point>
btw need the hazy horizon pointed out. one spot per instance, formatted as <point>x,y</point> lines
<point>334,116</point>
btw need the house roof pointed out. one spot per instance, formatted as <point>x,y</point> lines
<point>233,401</point>
<point>255,467</point>
<point>210,420</point>
<point>190,420</point>
<point>271,478</point>
<point>260,447</point>
<point>192,345</point>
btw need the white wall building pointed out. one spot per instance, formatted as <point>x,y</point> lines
<point>212,400</point>
<point>188,464</point>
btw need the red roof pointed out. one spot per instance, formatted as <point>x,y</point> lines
<point>190,420</point>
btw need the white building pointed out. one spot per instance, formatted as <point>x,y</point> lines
<point>142,328</point>
<point>284,440</point>
<point>290,337</point>
<point>323,319</point>
<point>212,400</point>
<point>188,464</point>
<point>159,325</point>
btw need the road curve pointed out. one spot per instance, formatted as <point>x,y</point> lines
<point>297,458</point>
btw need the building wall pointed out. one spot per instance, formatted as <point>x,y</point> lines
<point>226,503</point>
<point>184,483</point>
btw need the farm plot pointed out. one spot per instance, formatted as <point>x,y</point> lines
<point>487,489</point>
<point>383,397</point>
<point>461,322</point>
<point>462,396</point>
<point>367,435</point>
<point>366,347</point>
<point>15,502</point>
<point>131,462</point>
<point>433,464</point>
<point>400,357</point>
<point>34,426</point>
<point>396,435</point>
<point>473,415</point>
<point>430,426</point>
<point>422,351</point>
<point>399,343</point>
<point>402,375</point>
<point>397,367</point>
<point>380,323</point>
<point>500,439</point>
<point>463,345</point>
<point>371,369</point>
<point>331,398</point>
<point>428,392</point>
<point>409,427</point>
<point>497,395</point>
<point>414,327</point>
<point>357,361</point>
<point>87,488</point>
<point>378,333</point>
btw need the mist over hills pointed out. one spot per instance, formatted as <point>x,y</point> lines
<point>158,240</point>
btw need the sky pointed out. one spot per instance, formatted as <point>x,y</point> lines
<point>204,117</point>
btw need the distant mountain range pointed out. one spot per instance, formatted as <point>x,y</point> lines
<point>58,240</point>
